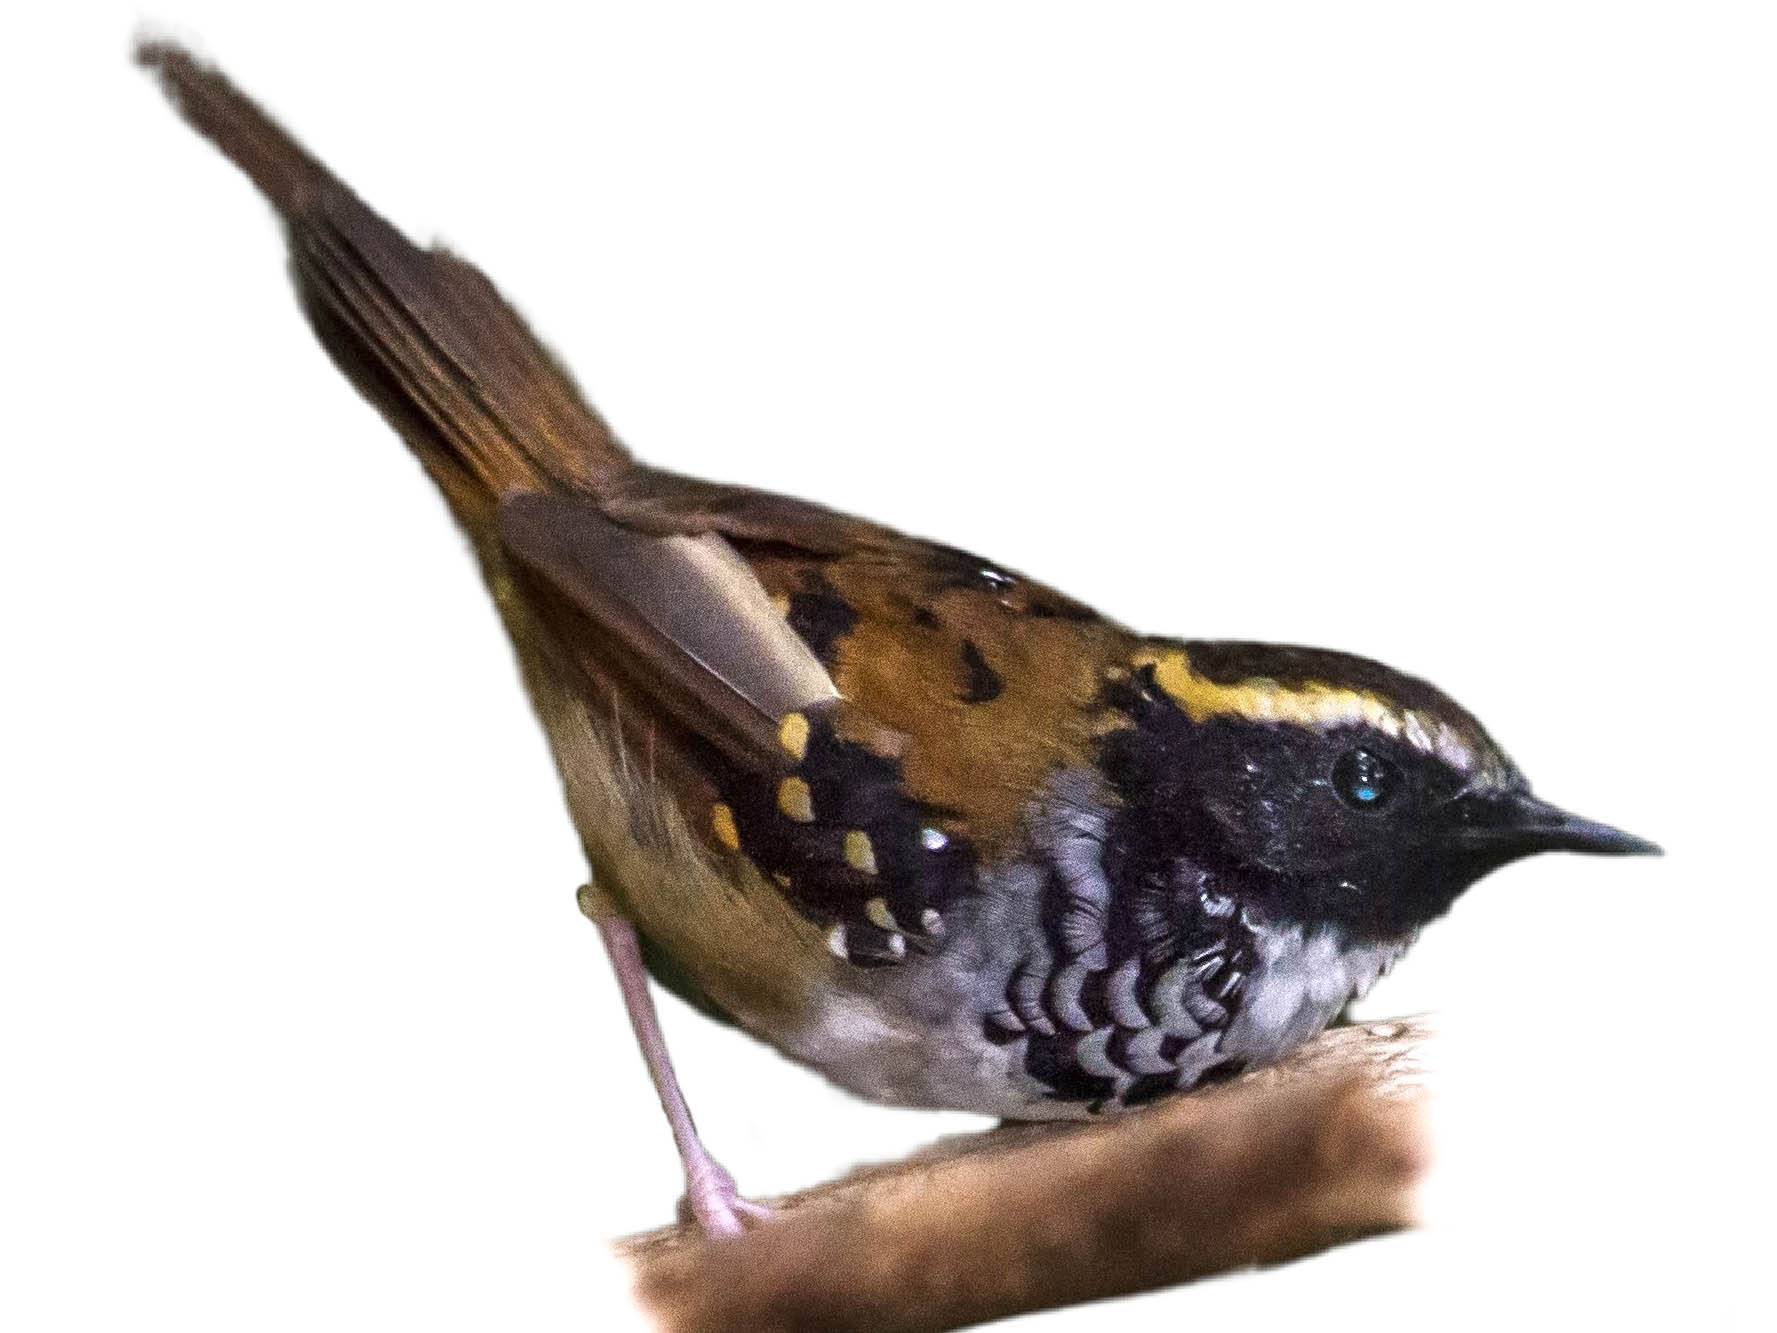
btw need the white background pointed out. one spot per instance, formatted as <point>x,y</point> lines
<point>1441,333</point>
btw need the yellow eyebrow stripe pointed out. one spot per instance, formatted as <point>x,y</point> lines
<point>1311,704</point>
<point>1264,700</point>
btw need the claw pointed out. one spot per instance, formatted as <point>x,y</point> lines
<point>714,1202</point>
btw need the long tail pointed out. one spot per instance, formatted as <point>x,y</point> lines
<point>424,335</point>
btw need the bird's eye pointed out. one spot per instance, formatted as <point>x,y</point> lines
<point>1365,781</point>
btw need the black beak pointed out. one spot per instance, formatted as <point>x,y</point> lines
<point>1514,824</point>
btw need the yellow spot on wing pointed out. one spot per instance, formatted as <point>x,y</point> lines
<point>792,734</point>
<point>877,910</point>
<point>722,825</point>
<point>859,854</point>
<point>794,799</point>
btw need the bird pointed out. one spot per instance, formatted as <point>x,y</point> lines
<point>922,823</point>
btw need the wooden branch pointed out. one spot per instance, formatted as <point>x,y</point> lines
<point>1274,1165</point>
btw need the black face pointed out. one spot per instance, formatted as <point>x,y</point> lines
<point>1340,825</point>
<point>1343,825</point>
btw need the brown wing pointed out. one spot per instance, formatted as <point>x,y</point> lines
<point>747,714</point>
<point>884,708</point>
<point>993,681</point>
<point>680,617</point>
<point>652,500</point>
<point>988,680</point>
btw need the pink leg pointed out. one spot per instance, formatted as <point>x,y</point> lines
<point>709,1190</point>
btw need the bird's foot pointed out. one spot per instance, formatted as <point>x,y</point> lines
<point>714,1202</point>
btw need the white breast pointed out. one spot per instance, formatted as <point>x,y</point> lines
<point>1303,978</point>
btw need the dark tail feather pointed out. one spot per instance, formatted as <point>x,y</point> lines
<point>422,334</point>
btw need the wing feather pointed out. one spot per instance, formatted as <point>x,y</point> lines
<point>682,616</point>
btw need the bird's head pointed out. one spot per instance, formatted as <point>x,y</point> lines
<point>1330,788</point>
